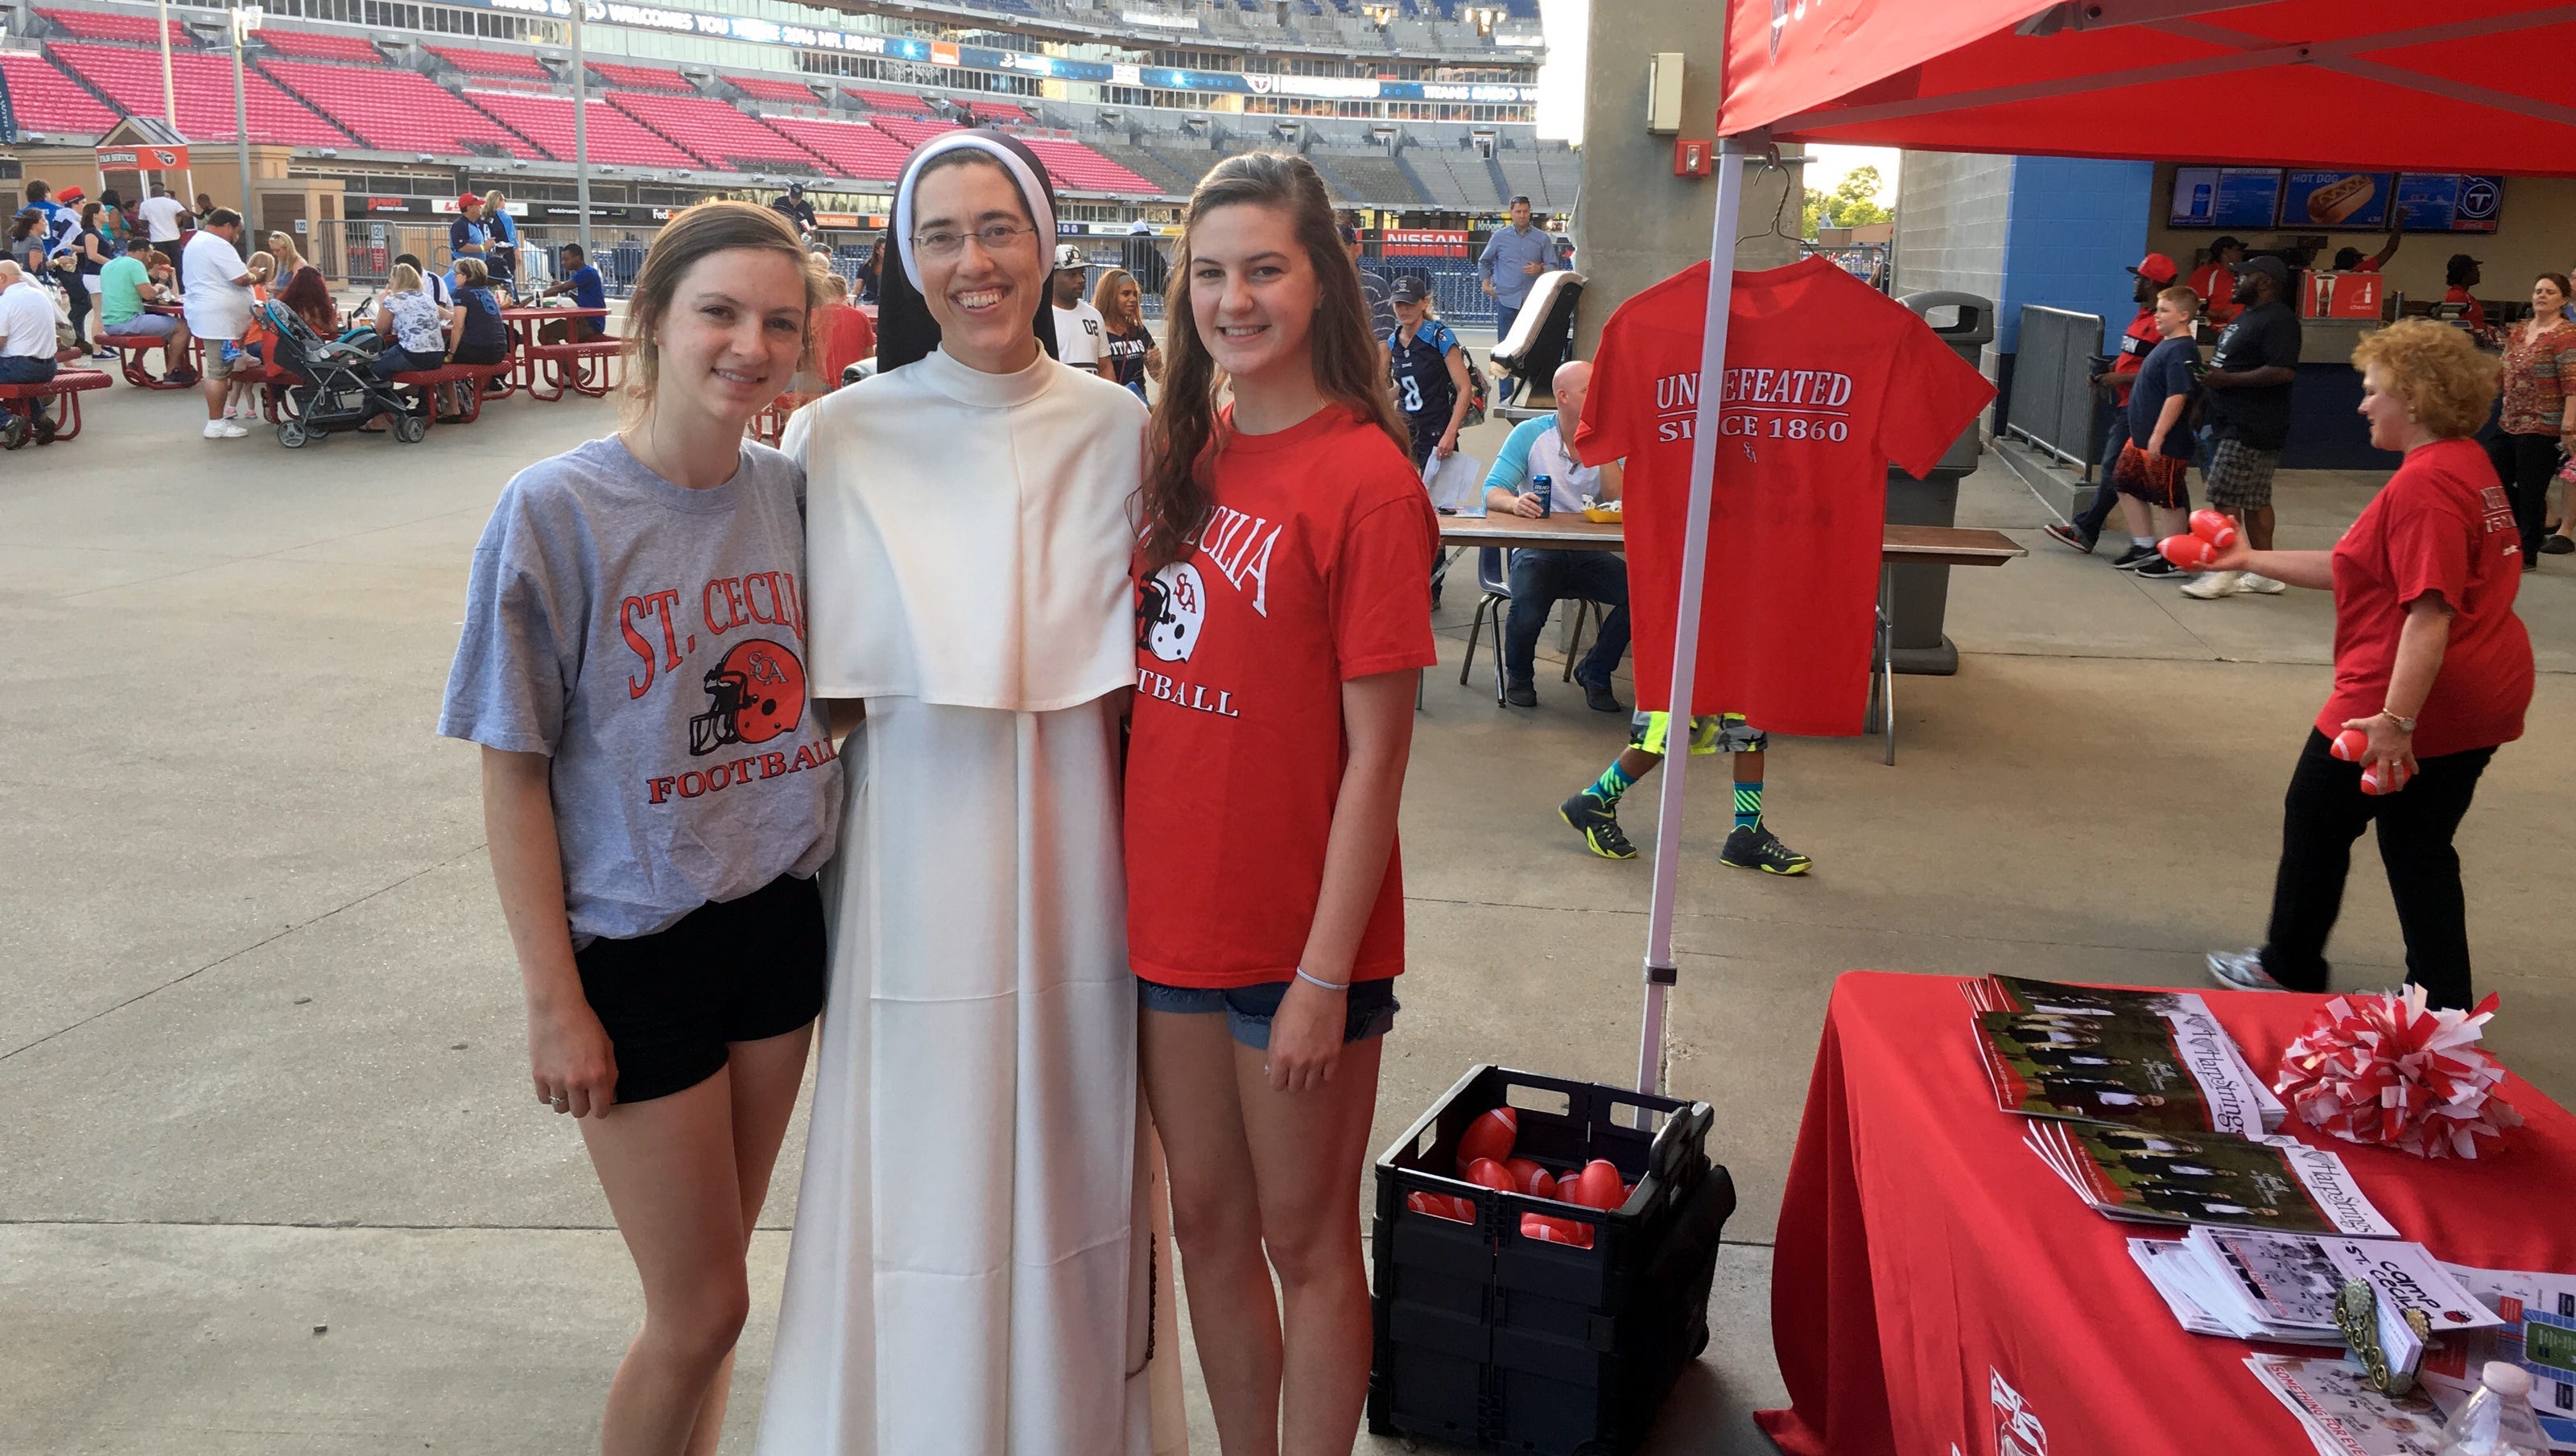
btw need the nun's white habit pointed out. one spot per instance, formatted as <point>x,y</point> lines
<point>965,1275</point>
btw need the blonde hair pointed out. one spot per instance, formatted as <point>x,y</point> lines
<point>494,202</point>
<point>261,267</point>
<point>282,247</point>
<point>470,273</point>
<point>2189,300</point>
<point>404,279</point>
<point>718,226</point>
<point>2446,383</point>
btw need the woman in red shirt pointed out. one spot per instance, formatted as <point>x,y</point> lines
<point>1282,623</point>
<point>2431,665</point>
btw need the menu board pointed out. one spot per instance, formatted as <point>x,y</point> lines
<point>2448,202</point>
<point>2226,197</point>
<point>2355,200</point>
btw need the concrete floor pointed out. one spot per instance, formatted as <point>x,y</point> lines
<point>269,1181</point>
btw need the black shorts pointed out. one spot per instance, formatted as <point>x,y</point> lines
<point>742,970</point>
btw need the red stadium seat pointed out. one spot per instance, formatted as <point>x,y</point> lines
<point>715,133</point>
<point>131,77</point>
<point>853,149</point>
<point>644,78</point>
<point>48,101</point>
<point>130,29</point>
<point>615,138</point>
<point>760,88</point>
<point>1080,169</point>
<point>397,110</point>
<point>1001,111</point>
<point>313,45</point>
<point>500,65</point>
<point>901,103</point>
<point>911,131</point>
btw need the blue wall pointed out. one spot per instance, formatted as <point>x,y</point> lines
<point>2075,229</point>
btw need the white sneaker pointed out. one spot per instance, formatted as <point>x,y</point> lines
<point>2211,585</point>
<point>2255,582</point>
<point>224,430</point>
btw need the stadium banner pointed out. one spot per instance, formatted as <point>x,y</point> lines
<point>1422,243</point>
<point>143,159</point>
<point>8,115</point>
<point>1021,63</point>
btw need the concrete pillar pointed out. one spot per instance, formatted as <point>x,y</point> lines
<point>1637,223</point>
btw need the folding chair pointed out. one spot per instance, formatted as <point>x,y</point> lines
<point>1494,583</point>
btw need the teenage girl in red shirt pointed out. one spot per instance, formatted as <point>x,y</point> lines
<point>1282,624</point>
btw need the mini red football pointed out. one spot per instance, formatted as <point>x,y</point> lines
<point>1598,1186</point>
<point>1441,1205</point>
<point>1487,1173</point>
<point>1489,1136</point>
<point>2350,745</point>
<point>1556,1230</point>
<point>2214,527</point>
<point>2187,551</point>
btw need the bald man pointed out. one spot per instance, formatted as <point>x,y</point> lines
<point>1543,449</point>
<point>26,342</point>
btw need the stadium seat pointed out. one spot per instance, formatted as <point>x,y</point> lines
<point>854,150</point>
<point>313,45</point>
<point>49,102</point>
<point>643,78</point>
<point>909,130</point>
<point>130,76</point>
<point>715,132</point>
<point>615,138</point>
<point>900,103</point>
<point>1001,111</point>
<point>761,88</point>
<point>1080,169</point>
<point>499,65</point>
<point>128,29</point>
<point>397,110</point>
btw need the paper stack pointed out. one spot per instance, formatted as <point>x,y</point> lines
<point>2255,1284</point>
<point>2208,1178</point>
<point>2145,1059</point>
<point>2342,1414</point>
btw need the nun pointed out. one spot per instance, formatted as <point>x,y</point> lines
<point>970,1270</point>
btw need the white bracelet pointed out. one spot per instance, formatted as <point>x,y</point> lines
<point>1320,981</point>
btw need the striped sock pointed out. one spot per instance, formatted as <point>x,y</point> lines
<point>1748,805</point>
<point>1613,782</point>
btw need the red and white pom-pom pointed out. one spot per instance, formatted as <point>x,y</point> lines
<point>2384,1069</point>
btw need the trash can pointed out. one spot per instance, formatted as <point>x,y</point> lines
<point>1919,596</point>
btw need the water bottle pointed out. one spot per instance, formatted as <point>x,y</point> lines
<point>1545,488</point>
<point>2496,1419</point>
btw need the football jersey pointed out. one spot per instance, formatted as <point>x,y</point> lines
<point>1423,388</point>
<point>1826,380</point>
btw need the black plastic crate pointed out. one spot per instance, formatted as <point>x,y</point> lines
<point>1489,1339</point>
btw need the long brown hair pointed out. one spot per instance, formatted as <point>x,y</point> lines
<point>1349,363</point>
<point>1104,297</point>
<point>710,227</point>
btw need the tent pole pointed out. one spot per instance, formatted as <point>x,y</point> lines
<point>1704,431</point>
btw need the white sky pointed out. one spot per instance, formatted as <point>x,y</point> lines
<point>1560,102</point>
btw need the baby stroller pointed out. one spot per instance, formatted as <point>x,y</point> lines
<point>335,390</point>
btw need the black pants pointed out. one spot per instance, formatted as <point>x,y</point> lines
<point>78,288</point>
<point>2524,463</point>
<point>2321,817</point>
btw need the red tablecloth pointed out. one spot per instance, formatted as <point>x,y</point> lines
<point>1934,1280</point>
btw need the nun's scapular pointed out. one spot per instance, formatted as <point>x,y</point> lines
<point>965,1274</point>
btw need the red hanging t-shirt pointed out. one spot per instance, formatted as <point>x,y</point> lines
<point>2441,524</point>
<point>1314,570</point>
<point>1827,379</point>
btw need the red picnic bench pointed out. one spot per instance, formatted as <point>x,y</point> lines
<point>568,366</point>
<point>481,376</point>
<point>131,348</point>
<point>67,385</point>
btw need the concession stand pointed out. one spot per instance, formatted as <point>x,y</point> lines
<point>1888,1337</point>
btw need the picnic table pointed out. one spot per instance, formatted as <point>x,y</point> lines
<point>526,323</point>
<point>1901,546</point>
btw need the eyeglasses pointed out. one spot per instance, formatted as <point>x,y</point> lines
<point>994,237</point>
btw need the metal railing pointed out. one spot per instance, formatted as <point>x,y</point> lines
<point>2053,400</point>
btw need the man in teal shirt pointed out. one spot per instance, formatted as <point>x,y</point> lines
<point>125,285</point>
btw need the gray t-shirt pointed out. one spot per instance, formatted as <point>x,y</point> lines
<point>651,638</point>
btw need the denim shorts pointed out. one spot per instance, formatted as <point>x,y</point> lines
<point>1370,1007</point>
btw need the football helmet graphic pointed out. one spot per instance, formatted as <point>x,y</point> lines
<point>1169,609</point>
<point>756,693</point>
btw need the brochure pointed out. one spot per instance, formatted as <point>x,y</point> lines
<point>2129,1070</point>
<point>2153,1176</point>
<point>2536,1330</point>
<point>2240,1099</point>
<point>2284,1286</point>
<point>2342,1415</point>
<point>2175,1271</point>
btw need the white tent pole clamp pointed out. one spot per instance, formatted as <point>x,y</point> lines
<point>1677,738</point>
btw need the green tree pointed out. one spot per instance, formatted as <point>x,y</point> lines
<point>1813,214</point>
<point>1856,197</point>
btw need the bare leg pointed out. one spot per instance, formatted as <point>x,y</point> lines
<point>2133,514</point>
<point>1307,1152</point>
<point>670,1171</point>
<point>215,387</point>
<point>2258,529</point>
<point>766,1076</point>
<point>1190,1084</point>
<point>2169,521</point>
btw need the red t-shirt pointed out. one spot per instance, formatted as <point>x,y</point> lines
<point>2216,285</point>
<point>2442,523</point>
<point>1315,569</point>
<point>2477,314</point>
<point>844,335</point>
<point>2135,346</point>
<point>1826,380</point>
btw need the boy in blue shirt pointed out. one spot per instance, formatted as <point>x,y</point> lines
<point>2155,497</point>
<point>581,280</point>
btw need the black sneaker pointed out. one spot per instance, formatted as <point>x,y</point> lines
<point>1760,849</point>
<point>2138,554</point>
<point>1598,823</point>
<point>1599,698</point>
<point>46,429</point>
<point>1520,695</point>
<point>2066,535</point>
<point>2155,570</point>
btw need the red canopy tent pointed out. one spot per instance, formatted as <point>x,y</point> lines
<point>2376,85</point>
